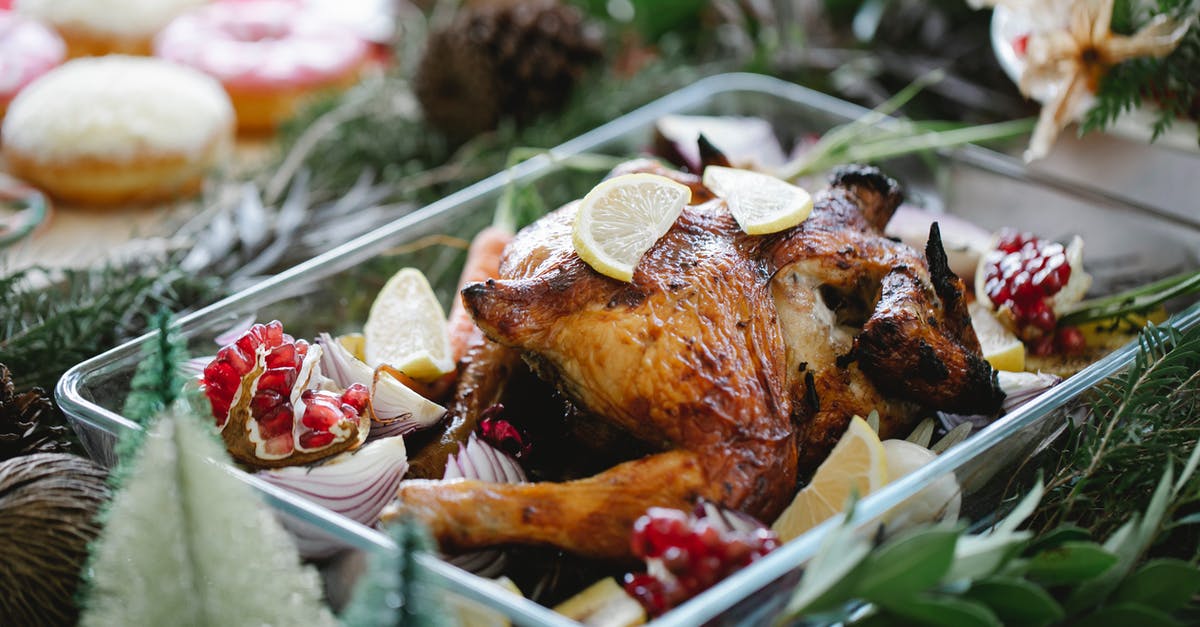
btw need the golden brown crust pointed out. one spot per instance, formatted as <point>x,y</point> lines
<point>735,352</point>
<point>591,516</point>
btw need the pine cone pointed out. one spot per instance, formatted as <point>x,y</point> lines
<point>503,60</point>
<point>27,422</point>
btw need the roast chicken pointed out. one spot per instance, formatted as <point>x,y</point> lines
<point>737,359</point>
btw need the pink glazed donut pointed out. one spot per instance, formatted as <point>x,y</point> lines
<point>268,54</point>
<point>27,50</point>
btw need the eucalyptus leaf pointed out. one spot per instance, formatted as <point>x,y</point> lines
<point>1127,614</point>
<point>1128,543</point>
<point>977,556</point>
<point>1016,601</point>
<point>1190,519</point>
<point>907,565</point>
<point>1166,584</point>
<point>1023,510</point>
<point>944,611</point>
<point>828,581</point>
<point>1071,562</point>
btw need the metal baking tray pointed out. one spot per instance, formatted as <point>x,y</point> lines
<point>1125,243</point>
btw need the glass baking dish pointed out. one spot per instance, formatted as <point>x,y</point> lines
<point>1125,244</point>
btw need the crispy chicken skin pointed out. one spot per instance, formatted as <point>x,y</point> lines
<point>740,357</point>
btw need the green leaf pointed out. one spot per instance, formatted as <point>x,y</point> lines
<point>978,556</point>
<point>1057,537</point>
<point>1166,584</point>
<point>828,581</point>
<point>1016,601</point>
<point>907,565</point>
<point>1023,510</point>
<point>944,611</point>
<point>1071,562</point>
<point>1127,614</point>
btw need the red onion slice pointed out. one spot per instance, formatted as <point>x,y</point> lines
<point>357,484</point>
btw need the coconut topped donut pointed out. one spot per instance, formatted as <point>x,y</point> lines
<point>96,27</point>
<point>115,129</point>
<point>117,106</point>
<point>27,50</point>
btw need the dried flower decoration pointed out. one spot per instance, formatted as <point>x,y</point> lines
<point>1068,51</point>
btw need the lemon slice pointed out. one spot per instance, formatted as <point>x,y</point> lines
<point>407,330</point>
<point>621,218</point>
<point>760,203</point>
<point>1002,349</point>
<point>857,464</point>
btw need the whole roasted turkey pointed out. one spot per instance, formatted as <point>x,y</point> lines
<point>739,358</point>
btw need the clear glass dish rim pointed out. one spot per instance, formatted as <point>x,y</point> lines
<point>729,592</point>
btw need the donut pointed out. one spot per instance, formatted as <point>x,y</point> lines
<point>100,27</point>
<point>269,54</point>
<point>27,50</point>
<point>117,130</point>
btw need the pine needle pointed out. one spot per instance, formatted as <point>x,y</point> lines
<point>1110,464</point>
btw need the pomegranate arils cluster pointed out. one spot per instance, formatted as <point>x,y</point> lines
<point>686,554</point>
<point>259,389</point>
<point>1022,274</point>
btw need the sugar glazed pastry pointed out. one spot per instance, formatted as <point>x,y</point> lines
<point>27,50</point>
<point>118,129</point>
<point>100,27</point>
<point>269,55</point>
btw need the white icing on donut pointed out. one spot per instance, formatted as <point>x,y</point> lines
<point>27,50</point>
<point>117,18</point>
<point>117,107</point>
<point>262,44</point>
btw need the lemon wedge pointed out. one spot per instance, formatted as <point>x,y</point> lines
<point>858,464</point>
<point>760,203</point>
<point>1002,349</point>
<point>406,328</point>
<point>622,218</point>
<point>603,604</point>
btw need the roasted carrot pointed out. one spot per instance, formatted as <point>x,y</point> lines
<point>483,263</point>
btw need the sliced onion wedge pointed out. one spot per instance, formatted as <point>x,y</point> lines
<point>357,484</point>
<point>481,461</point>
<point>395,408</point>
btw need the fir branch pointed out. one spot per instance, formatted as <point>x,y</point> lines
<point>1147,414</point>
<point>51,320</point>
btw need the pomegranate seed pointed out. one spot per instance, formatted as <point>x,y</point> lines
<point>1070,340</point>
<point>280,446</point>
<point>278,379</point>
<point>357,396</point>
<point>266,400</point>
<point>316,439</point>
<point>272,333</point>
<point>282,356</point>
<point>241,361</point>
<point>276,422</point>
